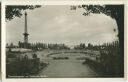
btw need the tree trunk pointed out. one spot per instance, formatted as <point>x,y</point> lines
<point>120,24</point>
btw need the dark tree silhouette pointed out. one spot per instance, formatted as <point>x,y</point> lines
<point>16,10</point>
<point>115,12</point>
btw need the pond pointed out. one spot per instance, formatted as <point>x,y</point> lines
<point>69,68</point>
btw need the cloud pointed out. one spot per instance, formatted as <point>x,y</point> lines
<point>59,24</point>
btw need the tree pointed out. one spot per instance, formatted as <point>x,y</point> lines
<point>115,12</point>
<point>16,11</point>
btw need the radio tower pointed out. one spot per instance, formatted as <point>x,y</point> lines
<point>25,33</point>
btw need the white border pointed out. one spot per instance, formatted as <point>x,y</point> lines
<point>3,43</point>
<point>27,2</point>
<point>2,39</point>
<point>126,41</point>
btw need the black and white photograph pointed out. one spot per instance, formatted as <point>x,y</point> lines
<point>64,41</point>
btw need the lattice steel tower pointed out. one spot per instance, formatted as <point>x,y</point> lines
<point>25,33</point>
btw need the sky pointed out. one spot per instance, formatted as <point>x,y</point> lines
<point>59,24</point>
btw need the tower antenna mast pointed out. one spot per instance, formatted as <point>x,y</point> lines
<point>25,32</point>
